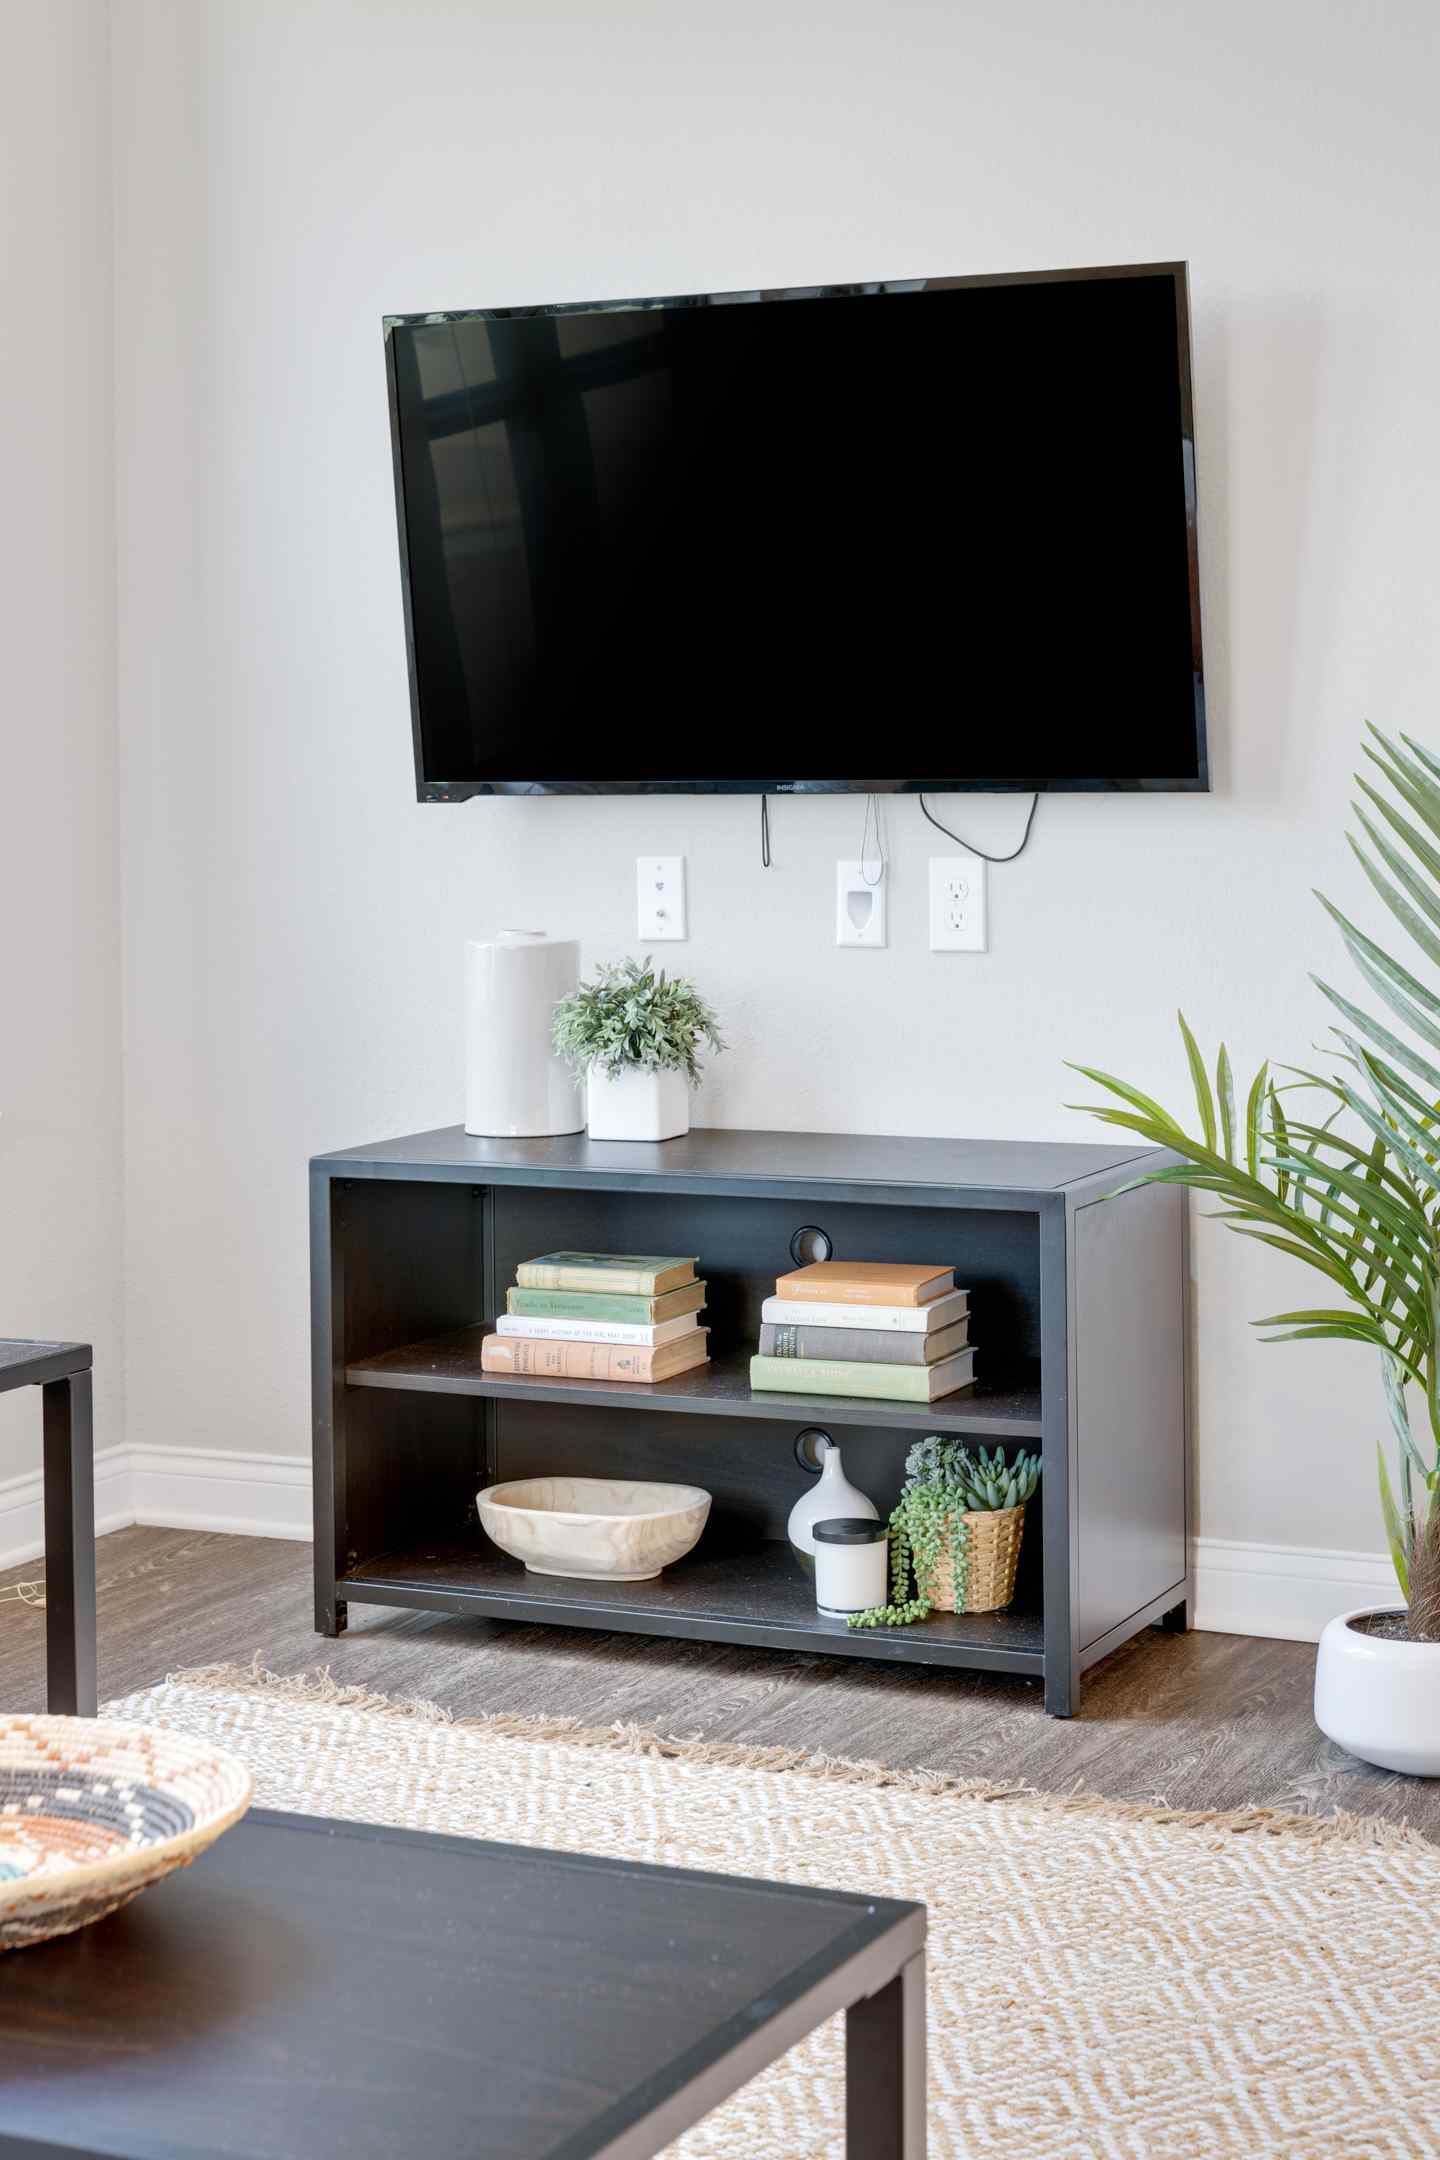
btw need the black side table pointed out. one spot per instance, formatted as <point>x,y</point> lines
<point>61,1371</point>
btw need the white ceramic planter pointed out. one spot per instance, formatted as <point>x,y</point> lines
<point>637,1106</point>
<point>1379,1700</point>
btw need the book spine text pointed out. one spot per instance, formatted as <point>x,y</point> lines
<point>824,1376</point>
<point>866,1346</point>
<point>591,1305</point>
<point>576,1360</point>
<point>854,1292</point>
<point>904,1319</point>
<point>628,1282</point>
<point>602,1331</point>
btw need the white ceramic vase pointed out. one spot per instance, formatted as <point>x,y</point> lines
<point>1379,1699</point>
<point>636,1104</point>
<point>831,1498</point>
<point>515,1086</point>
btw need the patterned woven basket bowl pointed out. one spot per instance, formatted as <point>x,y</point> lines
<point>91,1813</point>
<point>994,1555</point>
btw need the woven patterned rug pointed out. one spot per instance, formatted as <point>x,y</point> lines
<point>1107,1982</point>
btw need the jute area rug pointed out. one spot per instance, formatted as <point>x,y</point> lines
<point>1107,1982</point>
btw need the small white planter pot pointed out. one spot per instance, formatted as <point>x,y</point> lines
<point>637,1105</point>
<point>1380,1700</point>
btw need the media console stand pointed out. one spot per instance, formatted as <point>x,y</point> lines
<point>1077,1311</point>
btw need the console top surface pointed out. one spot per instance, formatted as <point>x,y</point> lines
<point>712,1156</point>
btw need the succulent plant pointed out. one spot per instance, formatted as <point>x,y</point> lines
<point>978,1482</point>
<point>944,1483</point>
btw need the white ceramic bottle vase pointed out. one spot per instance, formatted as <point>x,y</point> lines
<point>515,1086</point>
<point>832,1495</point>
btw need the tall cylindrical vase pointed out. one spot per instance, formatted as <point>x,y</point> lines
<point>515,1086</point>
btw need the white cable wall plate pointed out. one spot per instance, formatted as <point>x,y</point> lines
<point>859,905</point>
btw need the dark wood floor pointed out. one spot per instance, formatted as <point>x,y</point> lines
<point>1200,1720</point>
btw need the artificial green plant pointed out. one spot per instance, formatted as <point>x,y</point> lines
<point>630,1016</point>
<point>944,1482</point>
<point>1349,1184</point>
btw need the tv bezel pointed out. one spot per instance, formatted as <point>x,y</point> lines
<point>430,791</point>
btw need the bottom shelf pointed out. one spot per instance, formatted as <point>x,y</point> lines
<point>754,1595</point>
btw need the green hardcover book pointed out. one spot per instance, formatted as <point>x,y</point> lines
<point>846,1376</point>
<point>601,1305</point>
<point>629,1274</point>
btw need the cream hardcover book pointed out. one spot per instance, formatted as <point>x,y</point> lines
<point>941,1312</point>
<point>867,1282</point>
<point>613,1331</point>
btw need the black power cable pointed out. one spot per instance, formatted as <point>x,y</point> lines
<point>970,846</point>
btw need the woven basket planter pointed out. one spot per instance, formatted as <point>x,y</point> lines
<point>994,1542</point>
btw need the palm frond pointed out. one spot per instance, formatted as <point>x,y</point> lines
<point>1225,1095</point>
<point>1200,1080</point>
<point>1349,1186</point>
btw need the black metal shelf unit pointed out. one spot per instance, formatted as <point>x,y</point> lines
<point>1078,1312</point>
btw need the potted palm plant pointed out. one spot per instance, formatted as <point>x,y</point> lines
<point>634,1034</point>
<point>1346,1181</point>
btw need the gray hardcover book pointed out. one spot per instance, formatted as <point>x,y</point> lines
<point>868,1346</point>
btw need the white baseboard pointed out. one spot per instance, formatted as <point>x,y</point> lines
<point>217,1489</point>
<point>174,1489</point>
<point>1288,1591</point>
<point>22,1508</point>
<point>1283,1590</point>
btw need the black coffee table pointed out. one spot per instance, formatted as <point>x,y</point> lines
<point>314,1988</point>
<point>61,1371</point>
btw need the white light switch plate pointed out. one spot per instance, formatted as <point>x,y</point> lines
<point>957,904</point>
<point>660,897</point>
<point>859,906</point>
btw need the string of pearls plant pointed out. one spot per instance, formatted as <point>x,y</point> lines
<point>944,1482</point>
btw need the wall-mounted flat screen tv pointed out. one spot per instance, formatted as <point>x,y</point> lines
<point>937,533</point>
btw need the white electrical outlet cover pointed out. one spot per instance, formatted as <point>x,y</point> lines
<point>859,905</point>
<point>957,904</point>
<point>660,897</point>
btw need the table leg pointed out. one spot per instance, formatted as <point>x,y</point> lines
<point>885,2070</point>
<point>69,1547</point>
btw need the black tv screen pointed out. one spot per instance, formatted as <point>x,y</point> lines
<point>933,534</point>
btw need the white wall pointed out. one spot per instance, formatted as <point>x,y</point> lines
<point>60,1123</point>
<point>294,920</point>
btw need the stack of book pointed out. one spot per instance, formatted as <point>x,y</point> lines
<point>866,1327</point>
<point>600,1316</point>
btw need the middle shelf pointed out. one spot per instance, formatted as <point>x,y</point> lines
<point>1006,1402</point>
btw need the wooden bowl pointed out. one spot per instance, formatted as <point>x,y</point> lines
<point>92,1812</point>
<point>599,1529</point>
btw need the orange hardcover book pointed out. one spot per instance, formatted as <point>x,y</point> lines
<point>541,1359</point>
<point>867,1282</point>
